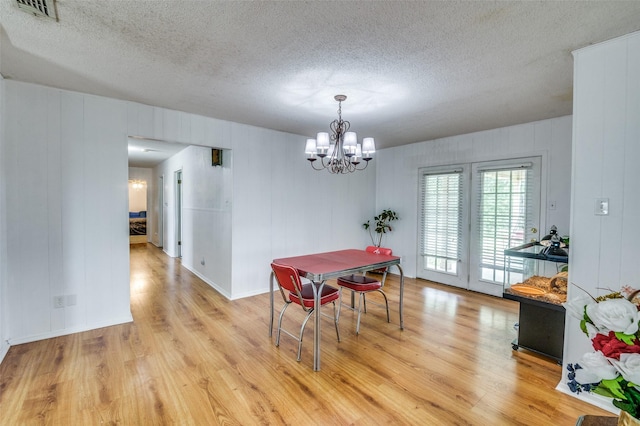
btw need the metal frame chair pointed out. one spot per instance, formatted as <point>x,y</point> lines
<point>362,284</point>
<point>288,279</point>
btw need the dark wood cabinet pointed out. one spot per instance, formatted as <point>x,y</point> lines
<point>540,327</point>
<point>531,279</point>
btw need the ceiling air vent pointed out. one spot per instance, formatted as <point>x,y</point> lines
<point>44,8</point>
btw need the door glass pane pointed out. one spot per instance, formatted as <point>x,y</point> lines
<point>504,214</point>
<point>441,221</point>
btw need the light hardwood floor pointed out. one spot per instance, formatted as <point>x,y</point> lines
<point>192,357</point>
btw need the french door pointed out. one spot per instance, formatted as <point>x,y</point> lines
<point>469,214</point>
<point>444,224</point>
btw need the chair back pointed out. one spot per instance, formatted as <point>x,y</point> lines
<point>379,250</point>
<point>287,277</point>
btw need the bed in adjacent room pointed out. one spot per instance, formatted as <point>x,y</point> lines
<point>138,227</point>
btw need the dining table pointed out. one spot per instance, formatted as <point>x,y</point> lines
<point>320,267</point>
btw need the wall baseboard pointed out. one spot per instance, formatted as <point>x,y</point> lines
<point>206,280</point>
<point>66,331</point>
<point>4,349</point>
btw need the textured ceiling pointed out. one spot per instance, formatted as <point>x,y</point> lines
<point>412,71</point>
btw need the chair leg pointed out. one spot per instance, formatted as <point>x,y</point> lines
<point>351,293</point>
<point>336,315</point>
<point>339,306</point>
<point>360,298</point>
<point>304,324</point>
<point>286,305</point>
<point>386,303</point>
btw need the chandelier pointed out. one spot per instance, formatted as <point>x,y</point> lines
<point>339,152</point>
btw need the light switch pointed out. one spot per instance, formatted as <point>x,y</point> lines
<point>602,206</point>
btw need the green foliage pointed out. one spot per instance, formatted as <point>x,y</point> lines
<point>614,387</point>
<point>626,338</point>
<point>627,397</point>
<point>381,225</point>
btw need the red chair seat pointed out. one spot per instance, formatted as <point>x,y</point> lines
<point>359,283</point>
<point>329,294</point>
<point>362,284</point>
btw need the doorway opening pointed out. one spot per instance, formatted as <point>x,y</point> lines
<point>137,211</point>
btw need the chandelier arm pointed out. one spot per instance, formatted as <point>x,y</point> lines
<point>366,163</point>
<point>358,163</point>
<point>315,168</point>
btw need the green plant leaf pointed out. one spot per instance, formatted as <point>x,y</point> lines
<point>381,225</point>
<point>626,338</point>
<point>583,327</point>
<point>614,387</point>
<point>600,390</point>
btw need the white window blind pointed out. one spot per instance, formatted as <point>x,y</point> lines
<point>504,214</point>
<point>441,210</point>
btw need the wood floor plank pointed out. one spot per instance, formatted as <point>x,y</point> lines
<point>192,357</point>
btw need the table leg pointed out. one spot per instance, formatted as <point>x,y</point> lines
<point>271,304</point>
<point>317,291</point>
<point>401,296</point>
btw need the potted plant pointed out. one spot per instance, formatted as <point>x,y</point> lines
<point>381,225</point>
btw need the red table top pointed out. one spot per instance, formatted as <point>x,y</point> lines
<point>321,266</point>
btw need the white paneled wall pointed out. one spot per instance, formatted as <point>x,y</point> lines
<point>265,202</point>
<point>289,209</point>
<point>206,214</point>
<point>64,200</point>
<point>397,174</point>
<point>606,153</point>
<point>4,332</point>
<point>65,210</point>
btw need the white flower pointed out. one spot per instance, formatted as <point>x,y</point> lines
<point>629,367</point>
<point>618,315</point>
<point>595,367</point>
<point>575,307</point>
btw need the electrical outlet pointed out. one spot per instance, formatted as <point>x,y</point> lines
<point>58,302</point>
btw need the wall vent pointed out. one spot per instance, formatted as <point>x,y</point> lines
<point>44,8</point>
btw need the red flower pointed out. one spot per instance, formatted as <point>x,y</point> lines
<point>611,347</point>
